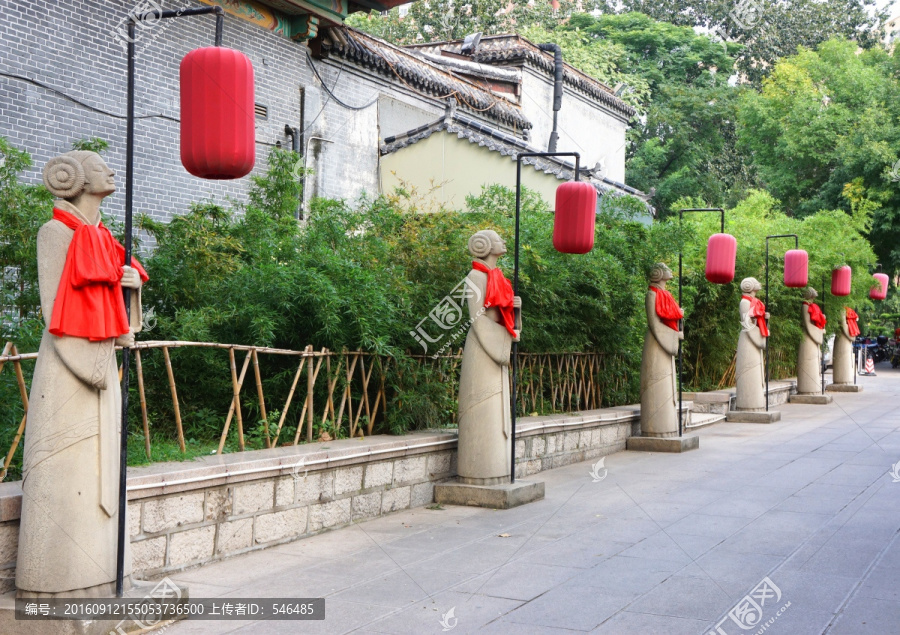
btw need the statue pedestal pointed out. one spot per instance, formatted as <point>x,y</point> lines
<point>819,400</point>
<point>502,496</point>
<point>843,388</point>
<point>140,591</point>
<point>662,444</point>
<point>752,416</point>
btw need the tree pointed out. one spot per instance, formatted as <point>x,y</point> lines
<point>441,20</point>
<point>683,142</point>
<point>824,134</point>
<point>769,29</point>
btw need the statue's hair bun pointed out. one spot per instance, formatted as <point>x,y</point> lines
<point>750,284</point>
<point>480,244</point>
<point>64,176</point>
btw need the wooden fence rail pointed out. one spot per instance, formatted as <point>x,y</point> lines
<point>347,392</point>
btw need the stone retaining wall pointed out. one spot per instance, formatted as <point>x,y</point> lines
<point>183,515</point>
<point>186,514</point>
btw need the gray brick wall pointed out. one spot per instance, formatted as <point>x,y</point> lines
<point>70,48</point>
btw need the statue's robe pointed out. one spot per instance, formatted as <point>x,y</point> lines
<point>842,361</point>
<point>750,380</point>
<point>809,359</point>
<point>485,421</point>
<point>659,390</point>
<point>70,483</point>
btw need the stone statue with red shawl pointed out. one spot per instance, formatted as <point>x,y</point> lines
<point>843,368</point>
<point>749,370</point>
<point>809,359</point>
<point>67,534</point>
<point>485,420</point>
<point>659,390</point>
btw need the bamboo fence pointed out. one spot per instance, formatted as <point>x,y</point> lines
<point>348,392</point>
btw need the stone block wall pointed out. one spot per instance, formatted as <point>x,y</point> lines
<point>172,532</point>
<point>182,515</point>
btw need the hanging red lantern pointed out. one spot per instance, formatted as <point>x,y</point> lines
<point>576,214</point>
<point>218,136</point>
<point>840,281</point>
<point>721,253</point>
<point>796,268</point>
<point>879,292</point>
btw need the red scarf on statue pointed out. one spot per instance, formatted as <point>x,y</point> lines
<point>758,310</point>
<point>815,315</point>
<point>89,299</point>
<point>499,294</point>
<point>667,308</point>
<point>852,326</point>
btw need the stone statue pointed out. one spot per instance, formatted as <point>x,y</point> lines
<point>659,410</point>
<point>70,484</point>
<point>750,377</point>
<point>809,360</point>
<point>843,347</point>
<point>484,388</point>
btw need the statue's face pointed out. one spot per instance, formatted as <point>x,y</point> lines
<point>498,245</point>
<point>99,178</point>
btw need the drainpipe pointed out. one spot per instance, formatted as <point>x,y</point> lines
<point>294,134</point>
<point>557,89</point>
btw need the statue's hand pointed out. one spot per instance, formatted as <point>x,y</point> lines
<point>518,334</point>
<point>131,279</point>
<point>517,302</point>
<point>681,335</point>
<point>768,315</point>
<point>127,340</point>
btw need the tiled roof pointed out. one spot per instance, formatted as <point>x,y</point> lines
<point>507,145</point>
<point>500,49</point>
<point>421,75</point>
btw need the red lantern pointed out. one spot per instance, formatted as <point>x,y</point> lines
<point>721,252</point>
<point>840,281</point>
<point>879,292</point>
<point>218,136</point>
<point>576,214</point>
<point>796,268</point>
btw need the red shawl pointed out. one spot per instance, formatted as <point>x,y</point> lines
<point>667,308</point>
<point>852,326</point>
<point>758,310</point>
<point>499,294</point>
<point>815,315</point>
<point>89,299</point>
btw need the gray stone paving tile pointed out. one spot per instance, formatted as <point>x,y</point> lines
<point>571,606</point>
<point>627,577</point>
<point>570,553</point>
<point>843,557</point>
<point>400,589</point>
<point>518,580</point>
<point>766,541</point>
<point>471,613</point>
<point>692,598</point>
<point>659,546</point>
<point>700,524</point>
<point>340,617</point>
<point>629,622</point>
<point>695,546</point>
<point>738,507</point>
<point>630,530</point>
<point>238,571</point>
<point>748,569</point>
<point>867,616</point>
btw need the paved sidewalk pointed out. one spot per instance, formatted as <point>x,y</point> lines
<point>663,544</point>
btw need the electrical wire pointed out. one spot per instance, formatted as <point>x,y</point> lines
<point>329,91</point>
<point>81,103</point>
